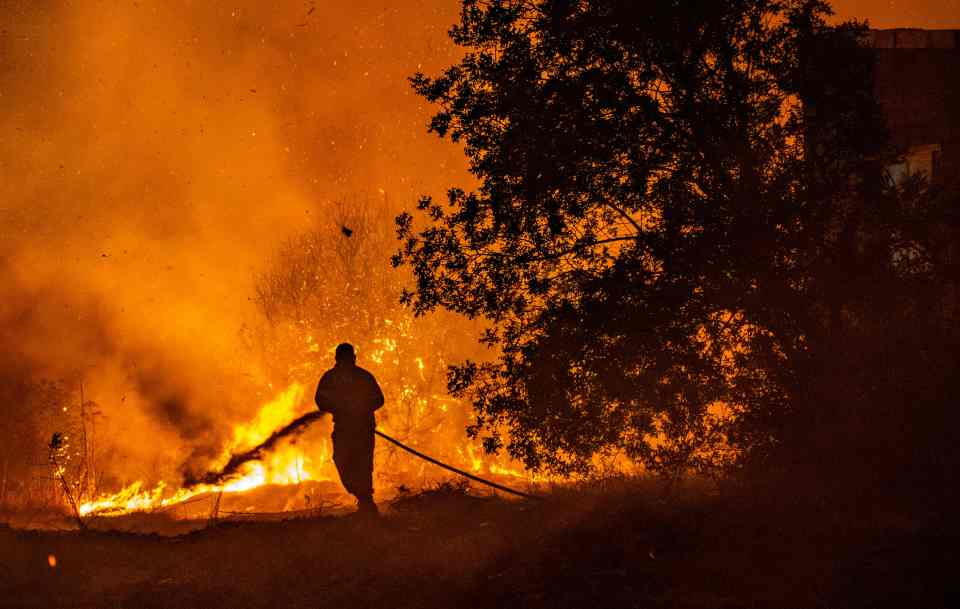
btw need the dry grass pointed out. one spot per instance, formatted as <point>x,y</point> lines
<point>620,544</point>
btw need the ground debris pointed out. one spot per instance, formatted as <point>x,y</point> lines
<point>445,547</point>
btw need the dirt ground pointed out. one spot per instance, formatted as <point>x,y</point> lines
<point>597,547</point>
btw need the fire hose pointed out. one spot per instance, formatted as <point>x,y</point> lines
<point>455,470</point>
<point>296,427</point>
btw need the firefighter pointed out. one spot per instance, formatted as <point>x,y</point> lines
<point>352,395</point>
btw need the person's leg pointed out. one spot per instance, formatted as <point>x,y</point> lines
<point>366,505</point>
<point>353,456</point>
<point>341,458</point>
<point>363,473</point>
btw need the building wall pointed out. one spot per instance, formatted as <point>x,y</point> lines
<point>917,80</point>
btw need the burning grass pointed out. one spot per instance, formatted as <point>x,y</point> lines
<point>270,451</point>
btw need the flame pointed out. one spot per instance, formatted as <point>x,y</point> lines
<point>514,472</point>
<point>276,413</point>
<point>474,461</point>
<point>292,463</point>
<point>287,465</point>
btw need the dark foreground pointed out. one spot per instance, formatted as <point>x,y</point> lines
<point>593,548</point>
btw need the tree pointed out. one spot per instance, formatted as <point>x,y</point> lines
<point>323,287</point>
<point>657,237</point>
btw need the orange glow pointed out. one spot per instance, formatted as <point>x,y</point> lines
<point>928,14</point>
<point>149,179</point>
<point>51,560</point>
<point>290,463</point>
<point>287,465</point>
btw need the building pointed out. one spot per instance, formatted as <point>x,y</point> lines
<point>917,80</point>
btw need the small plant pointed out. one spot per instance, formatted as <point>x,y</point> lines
<point>449,488</point>
<point>57,449</point>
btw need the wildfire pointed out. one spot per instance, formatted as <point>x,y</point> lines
<point>286,465</point>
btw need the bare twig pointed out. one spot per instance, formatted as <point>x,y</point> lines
<point>56,443</point>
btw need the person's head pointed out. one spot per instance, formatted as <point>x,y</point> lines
<point>345,354</point>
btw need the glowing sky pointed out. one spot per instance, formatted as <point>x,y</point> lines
<point>882,14</point>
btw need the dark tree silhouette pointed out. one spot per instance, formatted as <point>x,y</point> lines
<point>665,229</point>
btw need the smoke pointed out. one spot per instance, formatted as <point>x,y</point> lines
<point>154,154</point>
<point>157,397</point>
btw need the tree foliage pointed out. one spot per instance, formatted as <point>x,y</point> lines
<point>669,215</point>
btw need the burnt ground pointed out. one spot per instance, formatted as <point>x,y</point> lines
<point>594,547</point>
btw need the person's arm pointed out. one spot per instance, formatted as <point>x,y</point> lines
<point>322,397</point>
<point>377,393</point>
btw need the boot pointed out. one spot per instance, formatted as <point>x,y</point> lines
<point>366,506</point>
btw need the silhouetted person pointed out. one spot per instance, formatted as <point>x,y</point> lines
<point>352,395</point>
